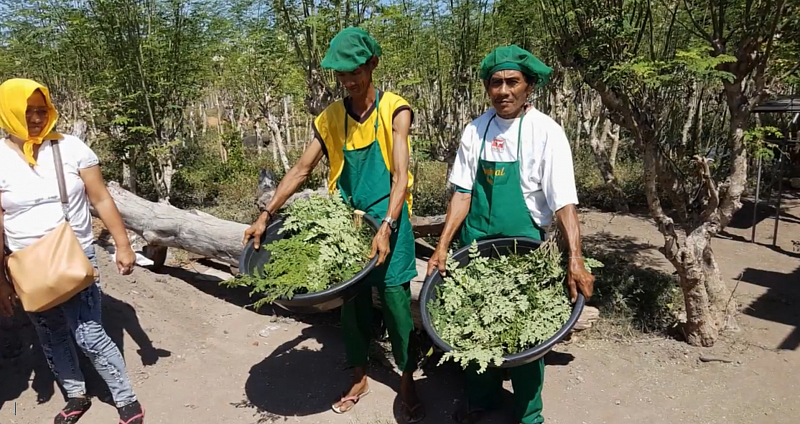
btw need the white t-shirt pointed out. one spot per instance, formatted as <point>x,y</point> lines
<point>30,198</point>
<point>547,177</point>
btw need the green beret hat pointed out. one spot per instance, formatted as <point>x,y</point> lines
<point>515,58</point>
<point>349,49</point>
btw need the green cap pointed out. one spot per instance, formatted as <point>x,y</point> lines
<point>515,58</point>
<point>351,48</point>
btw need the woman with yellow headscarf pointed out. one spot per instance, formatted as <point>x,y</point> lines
<point>30,208</point>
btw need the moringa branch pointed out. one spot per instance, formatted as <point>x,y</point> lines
<point>704,171</point>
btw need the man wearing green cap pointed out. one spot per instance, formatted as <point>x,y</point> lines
<point>513,174</point>
<point>365,138</point>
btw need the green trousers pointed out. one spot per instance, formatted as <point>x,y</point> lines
<point>484,391</point>
<point>357,325</point>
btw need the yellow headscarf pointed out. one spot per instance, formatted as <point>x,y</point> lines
<point>14,94</point>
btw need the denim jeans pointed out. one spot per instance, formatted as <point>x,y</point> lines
<point>80,317</point>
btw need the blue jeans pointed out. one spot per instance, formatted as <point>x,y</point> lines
<point>80,317</point>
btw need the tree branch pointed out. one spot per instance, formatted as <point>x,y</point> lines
<point>704,171</point>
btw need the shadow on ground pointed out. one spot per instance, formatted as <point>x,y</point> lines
<point>780,303</point>
<point>210,285</point>
<point>306,375</point>
<point>765,214</point>
<point>630,285</point>
<point>23,365</point>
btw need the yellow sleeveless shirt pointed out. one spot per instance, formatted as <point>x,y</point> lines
<point>329,126</point>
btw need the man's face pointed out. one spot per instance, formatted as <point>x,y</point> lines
<point>357,82</point>
<point>509,91</point>
<point>36,116</point>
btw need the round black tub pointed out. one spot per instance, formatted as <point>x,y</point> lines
<point>494,248</point>
<point>253,261</point>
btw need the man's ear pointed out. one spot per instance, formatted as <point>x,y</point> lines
<point>531,84</point>
<point>373,62</point>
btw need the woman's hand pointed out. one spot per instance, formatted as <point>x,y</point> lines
<point>380,244</point>
<point>126,258</point>
<point>7,298</point>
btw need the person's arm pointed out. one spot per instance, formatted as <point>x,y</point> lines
<point>288,186</point>
<point>104,204</point>
<point>401,125</point>
<point>457,211</point>
<point>570,228</point>
<point>578,278</point>
<point>462,176</point>
<point>558,186</point>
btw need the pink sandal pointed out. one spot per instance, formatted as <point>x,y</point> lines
<point>353,399</point>
<point>73,411</point>
<point>136,419</point>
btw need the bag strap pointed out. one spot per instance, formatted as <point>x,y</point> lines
<point>62,185</point>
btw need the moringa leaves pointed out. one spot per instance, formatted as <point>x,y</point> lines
<point>325,247</point>
<point>495,307</point>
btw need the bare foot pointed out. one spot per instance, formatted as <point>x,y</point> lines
<point>359,389</point>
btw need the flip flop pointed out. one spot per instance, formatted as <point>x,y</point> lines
<point>353,399</point>
<point>135,417</point>
<point>408,413</point>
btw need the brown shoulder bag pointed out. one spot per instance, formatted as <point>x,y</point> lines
<point>54,268</point>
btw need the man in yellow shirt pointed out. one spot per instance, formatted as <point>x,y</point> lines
<point>365,138</point>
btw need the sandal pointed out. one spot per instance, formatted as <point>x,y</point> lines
<point>73,411</point>
<point>131,414</point>
<point>408,413</point>
<point>353,399</point>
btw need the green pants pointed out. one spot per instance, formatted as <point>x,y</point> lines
<point>357,325</point>
<point>484,391</point>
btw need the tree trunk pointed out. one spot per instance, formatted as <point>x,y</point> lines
<point>612,155</point>
<point>598,127</point>
<point>710,308</point>
<point>161,224</point>
<point>707,299</point>
<point>259,143</point>
<point>287,122</point>
<point>129,177</point>
<point>278,150</point>
<point>166,173</point>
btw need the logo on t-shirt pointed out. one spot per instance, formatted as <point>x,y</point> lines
<point>498,144</point>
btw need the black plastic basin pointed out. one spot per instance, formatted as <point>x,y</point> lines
<point>494,248</point>
<point>252,262</point>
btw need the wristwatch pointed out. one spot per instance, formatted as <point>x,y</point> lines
<point>392,222</point>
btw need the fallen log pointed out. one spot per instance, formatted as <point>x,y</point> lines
<point>425,226</point>
<point>162,225</point>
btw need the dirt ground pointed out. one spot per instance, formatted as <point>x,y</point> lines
<point>196,355</point>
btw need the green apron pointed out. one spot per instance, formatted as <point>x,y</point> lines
<point>365,184</point>
<point>498,209</point>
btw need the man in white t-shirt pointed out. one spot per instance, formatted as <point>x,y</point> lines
<point>513,175</point>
